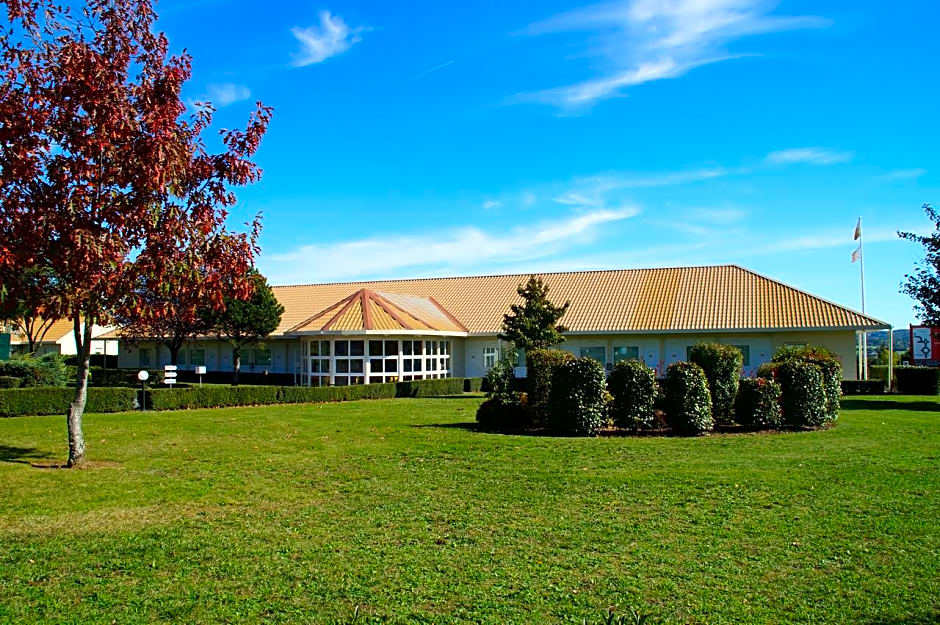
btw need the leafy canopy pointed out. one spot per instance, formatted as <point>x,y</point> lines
<point>247,321</point>
<point>534,324</point>
<point>923,284</point>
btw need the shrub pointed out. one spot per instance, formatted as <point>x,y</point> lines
<point>112,377</point>
<point>828,363</point>
<point>9,381</point>
<point>47,400</point>
<point>540,367</point>
<point>472,385</point>
<point>804,393</point>
<point>918,380</point>
<point>431,388</point>
<point>577,399</point>
<point>863,387</point>
<point>210,397</point>
<point>502,410</point>
<point>46,370</point>
<point>322,394</point>
<point>633,387</point>
<point>688,401</point>
<point>758,403</point>
<point>722,365</point>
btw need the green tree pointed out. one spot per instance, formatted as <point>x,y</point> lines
<point>534,324</point>
<point>245,322</point>
<point>924,283</point>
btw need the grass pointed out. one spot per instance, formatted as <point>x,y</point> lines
<point>400,510</point>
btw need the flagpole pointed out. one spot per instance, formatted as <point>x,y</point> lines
<point>861,266</point>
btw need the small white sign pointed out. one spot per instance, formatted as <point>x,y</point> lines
<point>200,370</point>
<point>169,367</point>
<point>170,381</point>
<point>922,347</point>
<point>169,374</point>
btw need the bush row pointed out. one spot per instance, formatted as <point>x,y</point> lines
<point>918,380</point>
<point>801,387</point>
<point>46,370</point>
<point>47,400</point>
<point>863,387</point>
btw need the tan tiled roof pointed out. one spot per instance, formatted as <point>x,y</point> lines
<point>719,298</point>
<point>374,310</point>
<point>56,332</point>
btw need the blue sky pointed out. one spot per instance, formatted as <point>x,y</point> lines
<point>428,138</point>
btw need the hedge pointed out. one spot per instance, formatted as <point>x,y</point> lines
<point>688,401</point>
<point>472,385</point>
<point>722,365</point>
<point>578,397</point>
<point>209,397</point>
<point>633,386</point>
<point>758,403</point>
<point>918,380</point>
<point>323,394</point>
<point>540,366</point>
<point>430,388</point>
<point>863,387</point>
<point>50,400</point>
<point>46,370</point>
<point>804,393</point>
<point>9,381</point>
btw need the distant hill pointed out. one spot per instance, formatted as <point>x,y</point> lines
<point>902,340</point>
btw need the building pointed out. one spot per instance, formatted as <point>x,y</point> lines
<point>60,339</point>
<point>364,332</point>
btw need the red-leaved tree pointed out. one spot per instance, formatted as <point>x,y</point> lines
<point>103,177</point>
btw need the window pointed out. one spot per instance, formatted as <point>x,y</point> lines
<point>143,358</point>
<point>597,352</point>
<point>262,357</point>
<point>197,357</point>
<point>626,352</point>
<point>746,353</point>
<point>490,356</point>
<point>375,348</point>
<point>520,357</point>
<point>342,348</point>
<point>357,348</point>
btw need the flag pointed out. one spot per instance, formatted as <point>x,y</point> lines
<point>857,254</point>
<point>858,230</point>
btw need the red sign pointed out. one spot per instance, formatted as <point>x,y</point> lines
<point>925,345</point>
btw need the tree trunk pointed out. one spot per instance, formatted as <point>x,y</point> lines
<point>77,407</point>
<point>236,364</point>
<point>174,353</point>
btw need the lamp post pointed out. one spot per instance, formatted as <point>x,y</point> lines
<point>142,376</point>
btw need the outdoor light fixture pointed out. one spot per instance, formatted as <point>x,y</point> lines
<point>143,375</point>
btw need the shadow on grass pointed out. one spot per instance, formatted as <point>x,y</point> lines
<point>20,455</point>
<point>726,430</point>
<point>923,619</point>
<point>889,404</point>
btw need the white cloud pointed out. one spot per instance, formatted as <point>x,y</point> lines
<point>903,174</point>
<point>491,204</point>
<point>223,94</point>
<point>812,156</point>
<point>646,40</point>
<point>318,43</point>
<point>440,252</point>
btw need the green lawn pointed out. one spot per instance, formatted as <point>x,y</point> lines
<point>298,514</point>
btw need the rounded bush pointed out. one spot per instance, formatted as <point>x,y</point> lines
<point>688,401</point>
<point>830,366</point>
<point>804,393</point>
<point>758,403</point>
<point>9,381</point>
<point>578,406</point>
<point>496,416</point>
<point>722,365</point>
<point>540,366</point>
<point>633,387</point>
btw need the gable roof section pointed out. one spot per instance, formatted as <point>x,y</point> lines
<point>367,310</point>
<point>713,298</point>
<point>56,332</point>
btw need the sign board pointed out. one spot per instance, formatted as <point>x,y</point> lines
<point>200,370</point>
<point>925,345</point>
<point>169,367</point>
<point>169,374</point>
<point>170,380</point>
<point>4,346</point>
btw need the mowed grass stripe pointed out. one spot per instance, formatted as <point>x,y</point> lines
<point>300,513</point>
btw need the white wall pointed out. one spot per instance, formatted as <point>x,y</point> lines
<point>660,351</point>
